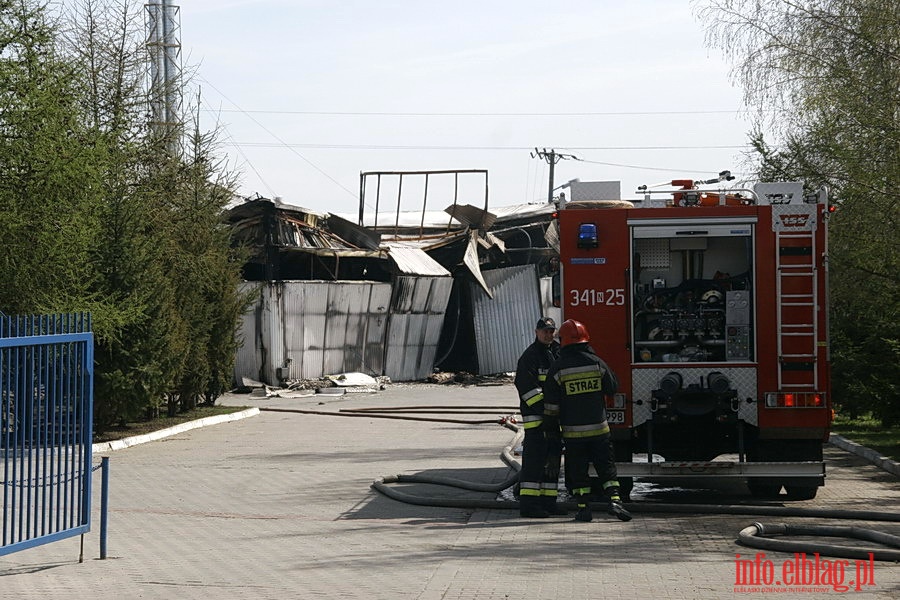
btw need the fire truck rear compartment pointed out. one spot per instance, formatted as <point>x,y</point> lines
<point>686,308</point>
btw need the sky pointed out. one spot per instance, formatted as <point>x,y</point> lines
<point>307,94</point>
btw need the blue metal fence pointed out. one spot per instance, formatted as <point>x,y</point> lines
<point>46,422</point>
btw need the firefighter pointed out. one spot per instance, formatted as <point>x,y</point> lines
<point>539,476</point>
<point>576,389</point>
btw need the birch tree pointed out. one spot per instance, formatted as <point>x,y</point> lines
<point>822,79</point>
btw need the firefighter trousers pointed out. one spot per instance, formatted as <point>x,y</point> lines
<point>580,452</point>
<point>539,475</point>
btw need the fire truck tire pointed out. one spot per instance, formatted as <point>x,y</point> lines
<point>801,492</point>
<point>763,490</point>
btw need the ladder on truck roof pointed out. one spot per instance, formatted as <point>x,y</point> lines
<point>796,292</point>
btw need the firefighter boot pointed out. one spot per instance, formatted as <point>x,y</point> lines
<point>584,510</point>
<point>530,508</point>
<point>584,513</point>
<point>615,506</point>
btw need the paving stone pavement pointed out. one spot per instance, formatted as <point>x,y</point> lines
<point>279,505</point>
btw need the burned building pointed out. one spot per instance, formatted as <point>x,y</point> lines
<point>457,289</point>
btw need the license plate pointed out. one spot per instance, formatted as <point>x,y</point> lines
<point>615,417</point>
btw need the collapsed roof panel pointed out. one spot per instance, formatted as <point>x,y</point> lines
<point>471,216</point>
<point>413,261</point>
<point>287,241</point>
<point>361,237</point>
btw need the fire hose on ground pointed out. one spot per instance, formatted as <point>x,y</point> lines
<point>758,535</point>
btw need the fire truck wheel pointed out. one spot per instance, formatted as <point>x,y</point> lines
<point>801,492</point>
<point>763,490</point>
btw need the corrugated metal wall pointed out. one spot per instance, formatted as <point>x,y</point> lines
<point>331,327</point>
<point>504,325</point>
<point>250,355</point>
<point>270,328</point>
<point>308,329</point>
<point>417,312</point>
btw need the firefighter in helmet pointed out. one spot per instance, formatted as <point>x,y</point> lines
<point>539,476</point>
<point>576,389</point>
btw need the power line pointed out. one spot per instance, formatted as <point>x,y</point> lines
<point>282,144</point>
<point>645,168</point>
<point>227,134</point>
<point>469,148</point>
<point>325,113</point>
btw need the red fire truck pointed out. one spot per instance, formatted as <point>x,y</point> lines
<point>710,304</point>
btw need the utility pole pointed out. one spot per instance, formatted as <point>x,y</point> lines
<point>552,157</point>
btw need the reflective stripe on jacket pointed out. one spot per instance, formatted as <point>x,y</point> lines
<point>578,383</point>
<point>531,375</point>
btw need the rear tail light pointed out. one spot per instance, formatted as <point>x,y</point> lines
<point>795,400</point>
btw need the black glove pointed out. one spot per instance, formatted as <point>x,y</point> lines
<point>551,428</point>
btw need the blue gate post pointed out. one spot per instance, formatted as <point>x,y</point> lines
<point>104,503</point>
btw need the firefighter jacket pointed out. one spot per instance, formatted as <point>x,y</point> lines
<point>576,389</point>
<point>531,371</point>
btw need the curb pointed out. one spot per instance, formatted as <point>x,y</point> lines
<point>162,433</point>
<point>870,455</point>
